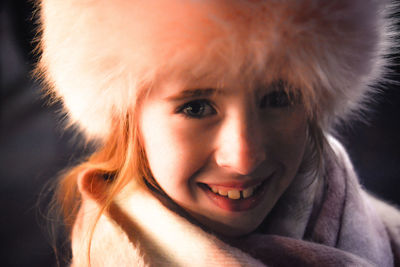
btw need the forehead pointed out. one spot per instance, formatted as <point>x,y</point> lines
<point>175,90</point>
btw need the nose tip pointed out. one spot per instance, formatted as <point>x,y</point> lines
<point>242,153</point>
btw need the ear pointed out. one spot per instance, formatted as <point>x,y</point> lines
<point>92,185</point>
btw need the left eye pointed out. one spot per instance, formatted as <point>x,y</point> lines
<point>197,109</point>
<point>276,99</point>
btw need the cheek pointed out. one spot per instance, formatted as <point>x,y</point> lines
<point>161,148</point>
<point>174,152</point>
<point>288,139</point>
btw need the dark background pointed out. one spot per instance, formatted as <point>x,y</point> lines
<point>33,147</point>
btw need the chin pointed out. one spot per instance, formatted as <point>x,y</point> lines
<point>236,230</point>
<point>235,227</point>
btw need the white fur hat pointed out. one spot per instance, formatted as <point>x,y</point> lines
<point>97,55</point>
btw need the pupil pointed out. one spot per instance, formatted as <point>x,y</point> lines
<point>281,99</point>
<point>195,108</point>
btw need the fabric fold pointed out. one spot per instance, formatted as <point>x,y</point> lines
<point>344,229</point>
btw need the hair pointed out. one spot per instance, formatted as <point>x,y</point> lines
<point>122,158</point>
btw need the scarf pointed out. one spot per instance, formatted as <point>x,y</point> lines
<point>332,222</point>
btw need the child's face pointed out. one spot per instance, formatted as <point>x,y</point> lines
<point>244,143</point>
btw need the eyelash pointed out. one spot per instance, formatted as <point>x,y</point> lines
<point>205,104</point>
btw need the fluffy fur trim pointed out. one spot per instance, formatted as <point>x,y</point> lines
<point>97,56</point>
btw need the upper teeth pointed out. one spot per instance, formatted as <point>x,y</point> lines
<point>234,193</point>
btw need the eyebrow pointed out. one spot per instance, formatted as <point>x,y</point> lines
<point>192,93</point>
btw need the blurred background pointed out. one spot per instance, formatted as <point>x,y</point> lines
<point>33,147</point>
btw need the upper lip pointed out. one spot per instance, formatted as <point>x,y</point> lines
<point>237,184</point>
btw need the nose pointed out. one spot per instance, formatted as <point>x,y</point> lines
<point>240,145</point>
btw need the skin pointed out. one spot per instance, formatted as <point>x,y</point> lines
<point>232,136</point>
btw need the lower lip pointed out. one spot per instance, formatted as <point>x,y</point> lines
<point>235,205</point>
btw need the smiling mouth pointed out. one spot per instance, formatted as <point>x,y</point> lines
<point>235,199</point>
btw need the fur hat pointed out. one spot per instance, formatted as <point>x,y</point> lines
<point>98,55</point>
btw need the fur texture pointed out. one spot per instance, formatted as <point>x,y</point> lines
<point>97,56</point>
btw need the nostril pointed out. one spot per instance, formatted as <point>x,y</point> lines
<point>240,146</point>
<point>241,161</point>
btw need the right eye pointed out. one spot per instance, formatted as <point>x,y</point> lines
<point>276,99</point>
<point>279,96</point>
<point>197,109</point>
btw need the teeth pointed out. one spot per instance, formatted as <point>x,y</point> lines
<point>234,193</point>
<point>248,192</point>
<point>222,192</point>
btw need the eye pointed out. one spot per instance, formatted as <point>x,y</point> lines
<point>197,109</point>
<point>276,99</point>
